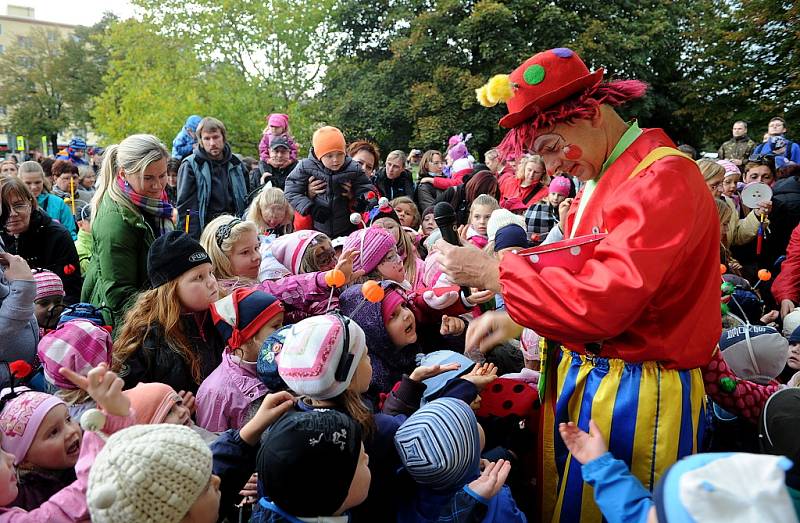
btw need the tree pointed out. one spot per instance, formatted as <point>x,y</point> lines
<point>412,73</point>
<point>741,64</point>
<point>49,81</point>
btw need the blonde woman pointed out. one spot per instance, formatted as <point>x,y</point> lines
<point>129,211</point>
<point>533,180</point>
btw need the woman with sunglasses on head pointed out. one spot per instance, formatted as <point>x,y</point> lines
<point>41,241</point>
<point>233,246</point>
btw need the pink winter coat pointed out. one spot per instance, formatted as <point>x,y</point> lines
<point>69,504</point>
<point>224,397</point>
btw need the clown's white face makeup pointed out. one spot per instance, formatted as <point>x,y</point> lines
<point>578,148</point>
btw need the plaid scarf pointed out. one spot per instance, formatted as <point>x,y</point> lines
<point>160,209</point>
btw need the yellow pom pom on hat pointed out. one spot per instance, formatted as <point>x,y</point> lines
<point>542,81</point>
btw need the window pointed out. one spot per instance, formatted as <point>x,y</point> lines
<point>24,42</point>
<point>2,49</point>
<point>2,110</point>
<point>1,29</point>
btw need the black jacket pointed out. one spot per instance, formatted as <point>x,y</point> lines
<point>330,210</point>
<point>785,215</point>
<point>48,245</point>
<point>403,185</point>
<point>276,176</point>
<point>156,361</point>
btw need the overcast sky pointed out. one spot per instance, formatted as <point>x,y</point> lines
<point>83,12</point>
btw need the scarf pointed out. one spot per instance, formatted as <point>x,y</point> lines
<point>160,209</point>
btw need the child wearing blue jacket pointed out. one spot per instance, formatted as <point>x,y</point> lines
<point>440,447</point>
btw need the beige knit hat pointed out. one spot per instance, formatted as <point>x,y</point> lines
<point>499,219</point>
<point>148,473</point>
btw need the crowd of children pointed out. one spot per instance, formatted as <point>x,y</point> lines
<point>306,360</point>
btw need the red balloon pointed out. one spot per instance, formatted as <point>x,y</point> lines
<point>764,275</point>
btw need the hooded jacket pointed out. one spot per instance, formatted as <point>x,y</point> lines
<point>208,188</point>
<point>183,144</point>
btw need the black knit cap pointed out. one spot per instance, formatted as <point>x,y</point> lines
<point>307,461</point>
<point>172,254</point>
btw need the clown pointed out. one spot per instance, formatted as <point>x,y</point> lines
<point>75,152</point>
<point>629,328</point>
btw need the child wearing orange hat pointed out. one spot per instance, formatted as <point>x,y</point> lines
<point>328,185</point>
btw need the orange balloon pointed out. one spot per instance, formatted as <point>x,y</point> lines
<point>372,291</point>
<point>334,278</point>
<point>764,275</point>
<point>722,268</point>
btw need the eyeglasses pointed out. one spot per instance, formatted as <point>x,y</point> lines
<point>20,208</point>
<point>224,231</point>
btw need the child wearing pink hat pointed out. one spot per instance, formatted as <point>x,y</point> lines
<point>80,346</point>
<point>44,440</point>
<point>543,216</point>
<point>49,300</point>
<point>277,125</point>
<point>29,412</point>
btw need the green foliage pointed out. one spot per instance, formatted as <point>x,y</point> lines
<point>416,87</point>
<point>49,81</point>
<point>742,64</point>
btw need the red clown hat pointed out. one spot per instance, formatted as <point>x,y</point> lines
<point>542,81</point>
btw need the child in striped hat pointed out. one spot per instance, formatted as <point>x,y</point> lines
<point>440,447</point>
<point>49,300</point>
<point>244,319</point>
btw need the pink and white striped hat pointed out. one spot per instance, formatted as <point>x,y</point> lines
<point>290,248</point>
<point>78,345</point>
<point>48,284</point>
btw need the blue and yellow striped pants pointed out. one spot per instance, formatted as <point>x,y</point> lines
<point>650,416</point>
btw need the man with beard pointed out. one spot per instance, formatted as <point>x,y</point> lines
<point>212,181</point>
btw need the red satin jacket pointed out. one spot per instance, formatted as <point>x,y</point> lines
<point>651,291</point>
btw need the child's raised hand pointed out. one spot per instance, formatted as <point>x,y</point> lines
<point>188,401</point>
<point>104,386</point>
<point>482,375</point>
<point>583,447</point>
<point>492,479</point>
<point>345,264</point>
<point>272,408</point>
<point>451,326</point>
<point>563,210</point>
<point>424,372</point>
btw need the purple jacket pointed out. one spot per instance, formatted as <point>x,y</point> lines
<point>224,398</point>
<point>302,295</point>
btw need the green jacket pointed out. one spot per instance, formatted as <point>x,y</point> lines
<point>84,247</point>
<point>737,148</point>
<point>118,268</point>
